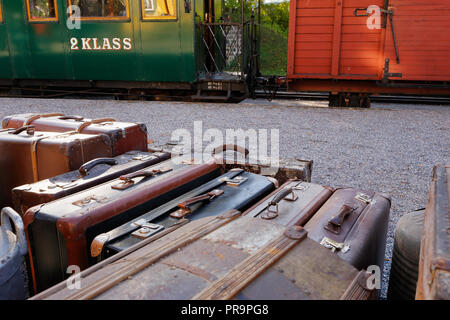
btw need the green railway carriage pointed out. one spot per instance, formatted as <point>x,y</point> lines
<point>137,46</point>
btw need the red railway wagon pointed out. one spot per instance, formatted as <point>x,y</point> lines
<point>354,48</point>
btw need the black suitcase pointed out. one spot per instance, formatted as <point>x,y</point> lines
<point>90,174</point>
<point>236,189</point>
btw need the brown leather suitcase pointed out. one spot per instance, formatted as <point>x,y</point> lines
<point>222,257</point>
<point>290,168</point>
<point>92,173</point>
<point>60,232</point>
<point>434,264</point>
<point>125,136</point>
<point>27,156</point>
<point>353,224</point>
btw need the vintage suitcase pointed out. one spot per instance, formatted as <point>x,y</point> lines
<point>27,156</point>
<point>280,169</point>
<point>353,223</point>
<point>90,174</point>
<point>235,189</point>
<point>13,246</point>
<point>60,232</point>
<point>434,264</point>
<point>294,203</point>
<point>125,136</point>
<point>221,257</point>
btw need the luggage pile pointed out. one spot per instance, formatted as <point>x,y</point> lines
<point>140,222</point>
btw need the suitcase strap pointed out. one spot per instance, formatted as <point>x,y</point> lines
<point>160,250</point>
<point>357,290</point>
<point>249,269</point>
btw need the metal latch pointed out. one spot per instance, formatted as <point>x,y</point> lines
<point>363,198</point>
<point>334,245</point>
<point>147,230</point>
<point>234,182</point>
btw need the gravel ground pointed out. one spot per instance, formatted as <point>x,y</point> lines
<point>389,148</point>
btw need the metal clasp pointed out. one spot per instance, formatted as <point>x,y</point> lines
<point>334,245</point>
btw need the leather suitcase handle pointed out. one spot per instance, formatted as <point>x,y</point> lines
<point>233,147</point>
<point>142,173</point>
<point>208,196</point>
<point>30,130</point>
<point>96,121</point>
<point>76,118</point>
<point>38,116</point>
<point>85,168</point>
<point>184,206</point>
<point>281,195</point>
<point>343,213</point>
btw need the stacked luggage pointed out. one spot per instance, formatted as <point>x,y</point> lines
<point>143,223</point>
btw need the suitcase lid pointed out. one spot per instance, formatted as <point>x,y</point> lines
<point>103,167</point>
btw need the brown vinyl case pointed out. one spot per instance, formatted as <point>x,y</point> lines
<point>90,174</point>
<point>125,136</point>
<point>434,264</point>
<point>353,223</point>
<point>27,156</point>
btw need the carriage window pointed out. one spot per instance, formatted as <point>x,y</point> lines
<point>1,17</point>
<point>103,9</point>
<point>159,9</point>
<point>42,10</point>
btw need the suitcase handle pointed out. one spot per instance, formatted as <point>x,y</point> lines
<point>335,223</point>
<point>128,179</point>
<point>7,214</point>
<point>30,130</point>
<point>85,168</point>
<point>38,116</point>
<point>184,206</point>
<point>282,195</point>
<point>76,118</point>
<point>233,147</point>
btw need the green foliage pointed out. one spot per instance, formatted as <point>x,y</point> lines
<point>274,31</point>
<point>274,46</point>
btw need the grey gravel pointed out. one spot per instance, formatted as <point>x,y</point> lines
<point>389,148</point>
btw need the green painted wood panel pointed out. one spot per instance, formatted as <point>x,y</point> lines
<point>5,63</point>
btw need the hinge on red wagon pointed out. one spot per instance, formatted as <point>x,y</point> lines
<point>184,206</point>
<point>334,245</point>
<point>128,179</point>
<point>146,229</point>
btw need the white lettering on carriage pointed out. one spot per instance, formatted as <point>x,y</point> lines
<point>101,44</point>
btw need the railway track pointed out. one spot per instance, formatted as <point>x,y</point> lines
<point>374,98</point>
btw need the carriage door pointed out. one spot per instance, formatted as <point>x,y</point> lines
<point>5,63</point>
<point>45,23</point>
<point>163,23</point>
